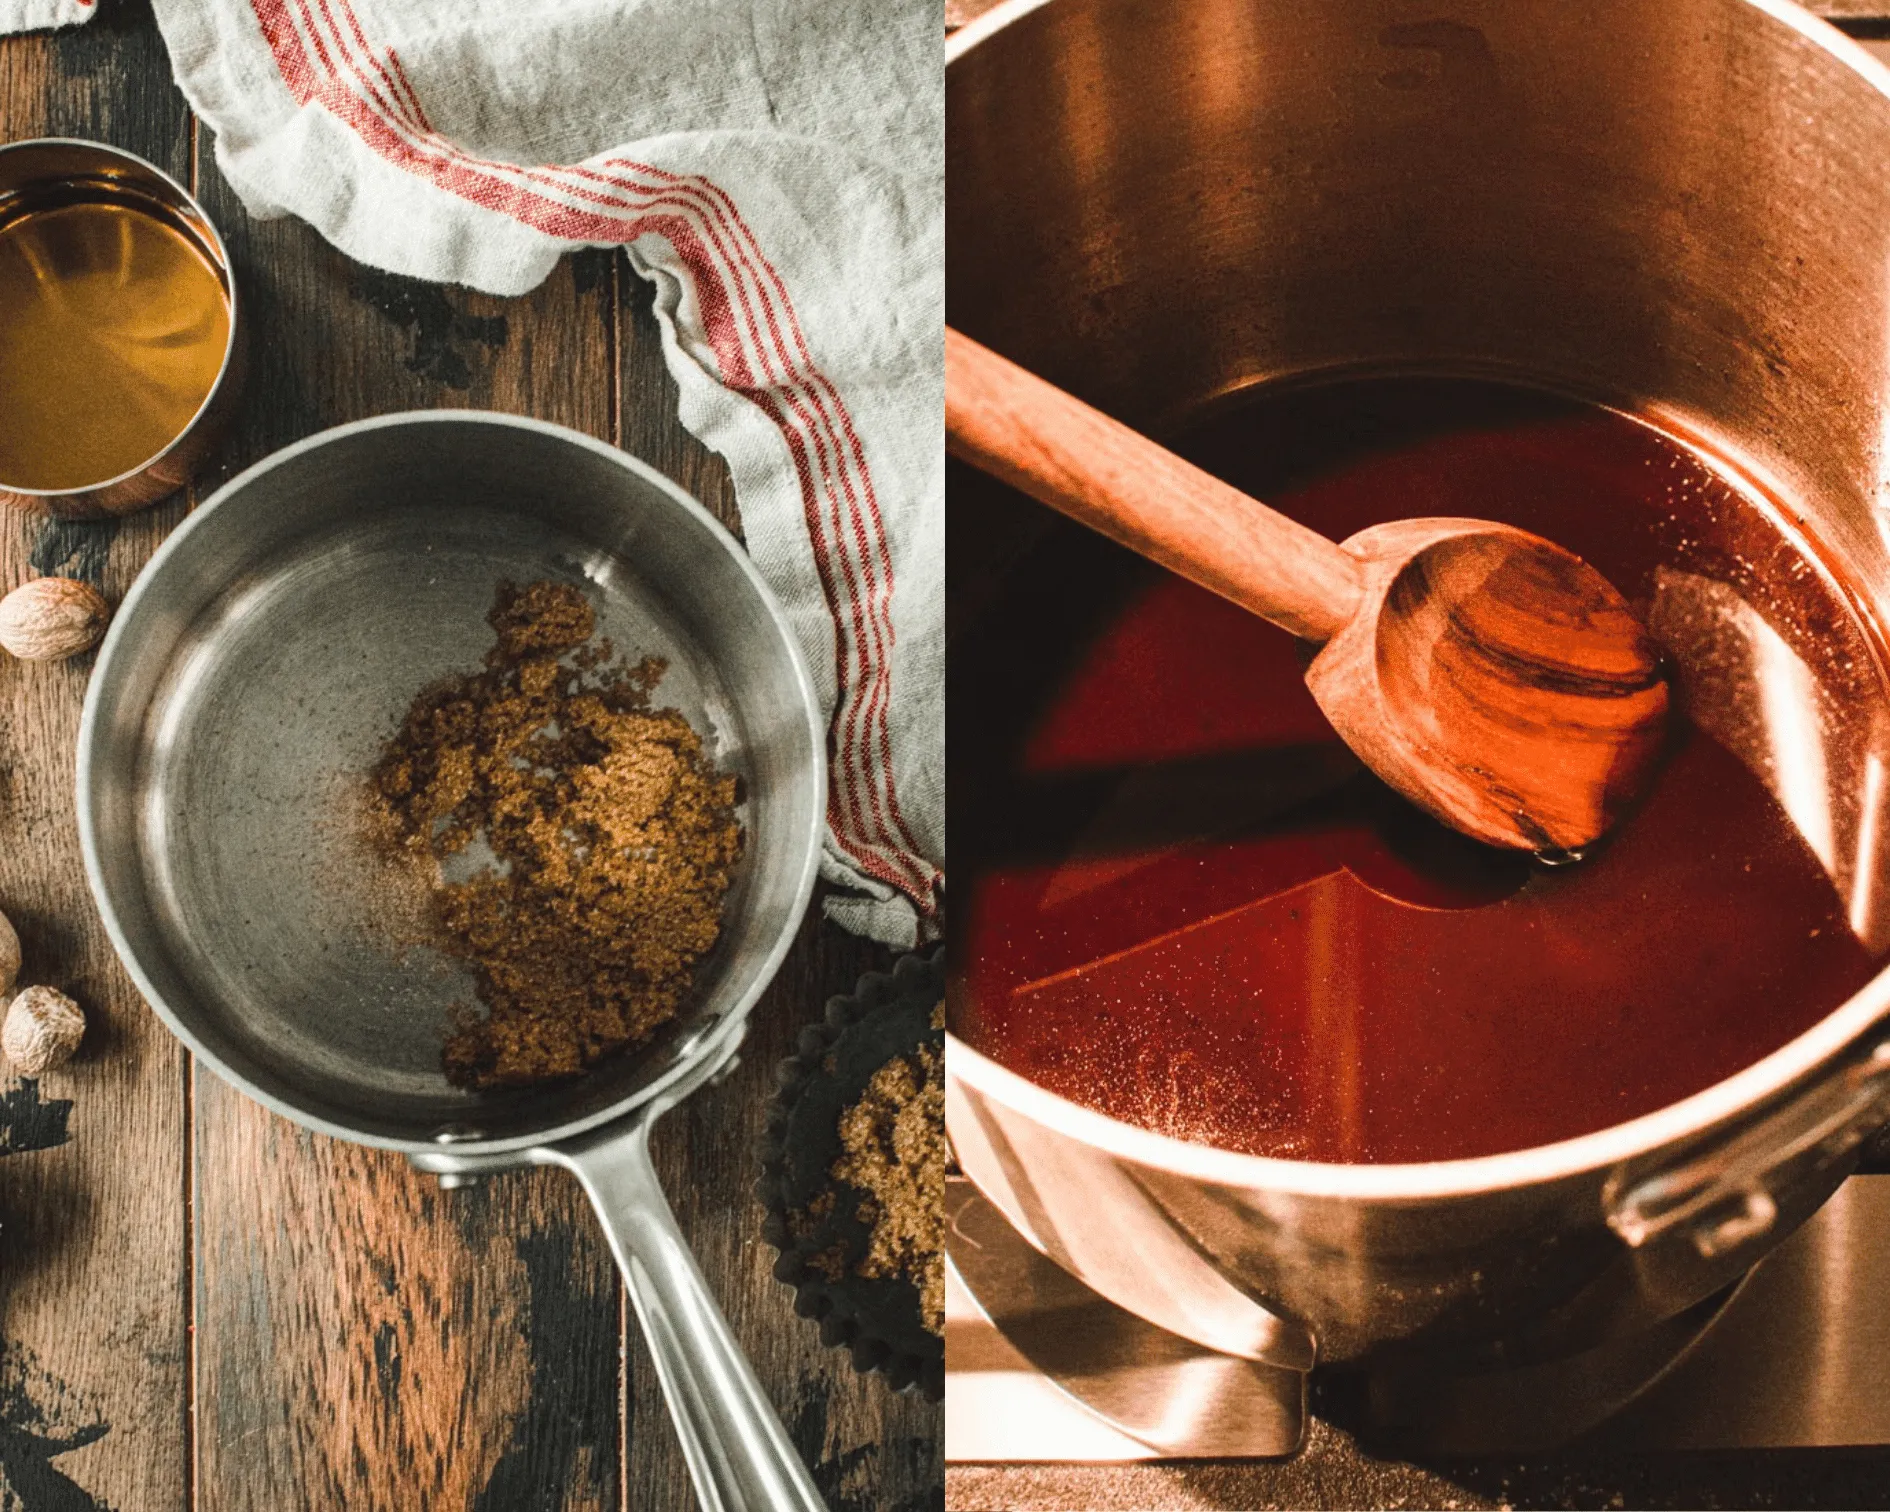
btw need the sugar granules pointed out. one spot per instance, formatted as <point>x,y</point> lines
<point>613,841</point>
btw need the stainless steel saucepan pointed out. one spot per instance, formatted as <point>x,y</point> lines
<point>1682,209</point>
<point>271,645</point>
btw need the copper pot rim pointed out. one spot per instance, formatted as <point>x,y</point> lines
<point>52,498</point>
<point>1720,1104</point>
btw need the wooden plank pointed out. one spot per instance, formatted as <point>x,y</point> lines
<point>871,1450</point>
<point>963,12</point>
<point>365,1340</point>
<point>92,1253</point>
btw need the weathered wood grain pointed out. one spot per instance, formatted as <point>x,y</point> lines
<point>872,1451</point>
<point>92,1222</point>
<point>364,1339</point>
<point>963,12</point>
<point>370,1341</point>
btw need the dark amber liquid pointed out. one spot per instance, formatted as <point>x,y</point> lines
<point>1188,907</point>
<point>113,327</point>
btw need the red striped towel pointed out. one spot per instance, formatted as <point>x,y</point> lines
<point>775,167</point>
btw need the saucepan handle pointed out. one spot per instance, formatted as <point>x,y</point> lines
<point>1723,1197</point>
<point>739,1455</point>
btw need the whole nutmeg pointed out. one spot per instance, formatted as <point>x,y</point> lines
<point>52,617</point>
<point>42,1029</point>
<point>9,956</point>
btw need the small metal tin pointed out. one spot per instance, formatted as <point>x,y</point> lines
<point>65,169</point>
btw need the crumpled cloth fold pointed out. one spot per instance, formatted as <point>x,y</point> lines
<point>775,168</point>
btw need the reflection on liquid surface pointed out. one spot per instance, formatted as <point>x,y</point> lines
<point>1189,907</point>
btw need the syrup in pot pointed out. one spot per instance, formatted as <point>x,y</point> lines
<point>113,327</point>
<point>1189,907</point>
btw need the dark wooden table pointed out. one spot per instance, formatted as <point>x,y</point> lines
<point>204,1306</point>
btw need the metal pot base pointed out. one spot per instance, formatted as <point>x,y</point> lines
<point>1788,1358</point>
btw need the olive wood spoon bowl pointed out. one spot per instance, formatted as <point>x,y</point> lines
<point>1496,680</point>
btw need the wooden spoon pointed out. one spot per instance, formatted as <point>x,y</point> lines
<point>1496,680</point>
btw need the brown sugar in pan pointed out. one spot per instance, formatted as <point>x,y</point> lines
<point>612,837</point>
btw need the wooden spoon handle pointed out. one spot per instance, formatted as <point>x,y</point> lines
<point>1042,441</point>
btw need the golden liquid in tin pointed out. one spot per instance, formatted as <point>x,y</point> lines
<point>113,325</point>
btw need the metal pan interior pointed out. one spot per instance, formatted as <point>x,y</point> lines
<point>272,647</point>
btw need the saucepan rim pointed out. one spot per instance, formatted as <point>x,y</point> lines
<point>727,1029</point>
<point>1672,1125</point>
<point>1666,1127</point>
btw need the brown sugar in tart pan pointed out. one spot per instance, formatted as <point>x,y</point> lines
<point>852,1100</point>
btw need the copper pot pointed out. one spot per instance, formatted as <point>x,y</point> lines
<point>1679,208</point>
<point>59,169</point>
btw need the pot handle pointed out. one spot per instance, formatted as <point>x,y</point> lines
<point>738,1453</point>
<point>1722,1198</point>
